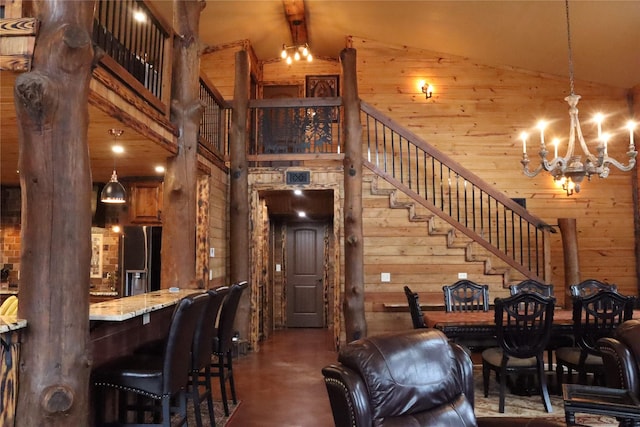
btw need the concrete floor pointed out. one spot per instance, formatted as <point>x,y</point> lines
<point>281,384</point>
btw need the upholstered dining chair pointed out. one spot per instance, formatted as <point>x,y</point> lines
<point>530,285</point>
<point>465,295</point>
<point>556,341</point>
<point>591,286</point>
<point>594,317</point>
<point>523,327</point>
<point>222,364</point>
<point>200,374</point>
<point>414,308</point>
<point>160,378</point>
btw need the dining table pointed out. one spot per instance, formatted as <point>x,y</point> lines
<point>474,324</point>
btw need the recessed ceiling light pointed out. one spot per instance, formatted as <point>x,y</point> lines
<point>297,192</point>
<point>140,16</point>
<point>117,149</point>
<point>160,169</point>
<point>302,214</point>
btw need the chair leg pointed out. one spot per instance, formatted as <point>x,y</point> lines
<point>559,374</point>
<point>232,386</point>
<point>209,393</point>
<point>542,379</point>
<point>503,383</point>
<point>223,386</point>
<point>195,397</point>
<point>485,378</point>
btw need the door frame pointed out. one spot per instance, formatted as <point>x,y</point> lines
<point>257,238</point>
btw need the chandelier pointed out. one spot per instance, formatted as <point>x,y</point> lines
<point>295,53</point>
<point>569,170</point>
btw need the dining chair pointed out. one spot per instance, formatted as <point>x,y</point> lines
<point>222,366</point>
<point>200,374</point>
<point>594,317</point>
<point>591,286</point>
<point>465,295</point>
<point>556,341</point>
<point>155,377</point>
<point>530,285</point>
<point>523,327</point>
<point>414,307</point>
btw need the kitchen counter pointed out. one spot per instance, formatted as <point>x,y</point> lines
<point>11,323</point>
<point>119,309</point>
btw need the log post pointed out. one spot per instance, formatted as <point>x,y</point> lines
<point>354,318</point>
<point>239,193</point>
<point>570,250</point>
<point>180,180</point>
<point>55,179</point>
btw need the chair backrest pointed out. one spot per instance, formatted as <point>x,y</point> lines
<point>591,286</point>
<point>531,285</point>
<point>523,323</point>
<point>201,350</point>
<point>414,377</point>
<point>597,316</point>
<point>177,352</point>
<point>465,295</point>
<point>222,343</point>
<point>414,308</point>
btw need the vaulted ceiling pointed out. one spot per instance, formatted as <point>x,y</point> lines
<point>529,34</point>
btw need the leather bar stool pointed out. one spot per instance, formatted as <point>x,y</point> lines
<point>200,374</point>
<point>222,367</point>
<point>161,377</point>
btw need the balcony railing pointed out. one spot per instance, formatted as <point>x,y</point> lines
<point>135,40</point>
<point>216,116</point>
<point>295,126</point>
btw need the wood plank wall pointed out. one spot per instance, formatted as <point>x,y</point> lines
<point>475,116</point>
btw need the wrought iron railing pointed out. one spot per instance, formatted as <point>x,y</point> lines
<point>484,214</point>
<point>138,45</point>
<point>295,126</point>
<point>216,116</point>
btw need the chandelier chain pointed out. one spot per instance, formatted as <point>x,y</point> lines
<point>570,52</point>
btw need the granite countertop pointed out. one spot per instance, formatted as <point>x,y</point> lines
<point>11,323</point>
<point>14,291</point>
<point>119,309</point>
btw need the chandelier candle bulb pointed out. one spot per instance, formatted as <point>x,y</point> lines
<point>598,119</point>
<point>523,136</point>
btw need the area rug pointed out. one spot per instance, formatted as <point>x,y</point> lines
<point>526,406</point>
<point>218,410</point>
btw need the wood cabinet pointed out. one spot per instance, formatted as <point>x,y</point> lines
<point>145,202</point>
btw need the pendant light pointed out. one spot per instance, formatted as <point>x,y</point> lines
<point>114,192</point>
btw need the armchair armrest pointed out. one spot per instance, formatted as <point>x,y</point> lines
<point>620,368</point>
<point>464,367</point>
<point>348,396</point>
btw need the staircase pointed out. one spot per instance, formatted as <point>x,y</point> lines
<point>491,228</point>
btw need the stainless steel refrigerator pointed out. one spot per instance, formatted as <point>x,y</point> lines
<point>140,259</point>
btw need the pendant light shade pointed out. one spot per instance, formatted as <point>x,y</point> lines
<point>114,192</point>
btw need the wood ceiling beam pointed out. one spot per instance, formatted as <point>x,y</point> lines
<point>295,13</point>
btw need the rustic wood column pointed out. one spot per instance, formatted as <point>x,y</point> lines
<point>180,179</point>
<point>570,251</point>
<point>239,196</point>
<point>55,179</point>
<point>354,319</point>
<point>634,101</point>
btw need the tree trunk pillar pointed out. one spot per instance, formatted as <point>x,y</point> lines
<point>570,250</point>
<point>180,180</point>
<point>239,194</point>
<point>55,179</point>
<point>354,318</point>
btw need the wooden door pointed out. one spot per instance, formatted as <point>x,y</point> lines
<point>305,274</point>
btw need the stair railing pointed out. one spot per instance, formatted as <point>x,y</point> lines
<point>455,194</point>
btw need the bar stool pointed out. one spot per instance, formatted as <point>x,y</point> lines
<point>222,367</point>
<point>160,378</point>
<point>200,374</point>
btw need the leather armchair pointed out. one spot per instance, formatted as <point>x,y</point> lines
<point>621,357</point>
<point>414,378</point>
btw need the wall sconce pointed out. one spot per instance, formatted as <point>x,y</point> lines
<point>427,89</point>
